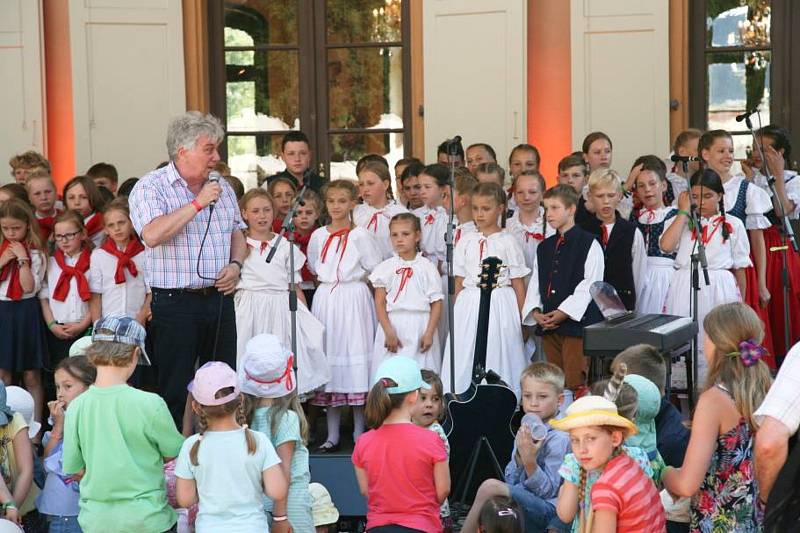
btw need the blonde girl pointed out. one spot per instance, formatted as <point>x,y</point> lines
<point>505,350</point>
<point>267,377</point>
<point>65,292</point>
<point>262,298</point>
<point>717,472</point>
<point>621,495</point>
<point>226,467</point>
<point>82,196</point>
<point>42,194</point>
<point>408,299</point>
<point>342,255</point>
<point>420,477</point>
<point>527,223</point>
<point>116,274</point>
<point>375,188</point>
<point>22,271</point>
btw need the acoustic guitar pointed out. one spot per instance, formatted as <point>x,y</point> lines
<point>478,420</point>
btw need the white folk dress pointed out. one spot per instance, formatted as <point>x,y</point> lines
<point>376,222</point>
<point>722,257</point>
<point>411,287</point>
<point>344,304</point>
<point>505,350</point>
<point>434,227</point>
<point>660,266</point>
<point>262,306</point>
<point>529,236</point>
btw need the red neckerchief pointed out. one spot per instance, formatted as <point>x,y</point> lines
<point>341,246</point>
<point>124,257</point>
<point>277,224</point>
<point>302,242</point>
<point>46,225</point>
<point>531,235</point>
<point>93,223</point>
<point>405,274</point>
<point>559,242</point>
<point>704,235</point>
<point>67,273</point>
<point>10,272</point>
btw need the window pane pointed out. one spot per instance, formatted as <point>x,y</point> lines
<point>738,23</point>
<point>737,82</point>
<point>363,21</point>
<point>348,148</point>
<point>265,21</point>
<point>365,87</point>
<point>262,95</point>
<point>254,157</point>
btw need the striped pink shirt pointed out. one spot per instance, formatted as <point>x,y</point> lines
<point>627,491</point>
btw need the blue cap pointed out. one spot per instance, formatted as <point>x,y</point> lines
<point>402,370</point>
<point>122,329</point>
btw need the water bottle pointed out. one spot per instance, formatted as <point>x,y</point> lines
<point>535,424</point>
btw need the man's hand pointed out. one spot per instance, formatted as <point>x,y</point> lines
<point>227,279</point>
<point>209,193</point>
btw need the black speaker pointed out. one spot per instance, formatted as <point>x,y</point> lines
<point>337,474</point>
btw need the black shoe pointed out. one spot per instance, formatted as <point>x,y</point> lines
<point>328,447</point>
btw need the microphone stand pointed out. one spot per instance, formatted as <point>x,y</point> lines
<point>452,152</point>
<point>287,228</point>
<point>699,261</point>
<point>787,234</point>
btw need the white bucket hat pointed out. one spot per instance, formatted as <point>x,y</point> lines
<point>322,508</point>
<point>21,401</point>
<point>266,370</point>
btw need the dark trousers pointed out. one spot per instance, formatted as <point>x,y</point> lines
<point>183,329</point>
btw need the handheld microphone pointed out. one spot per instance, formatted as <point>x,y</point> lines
<point>675,158</point>
<point>454,140</point>
<point>746,114</point>
<point>214,177</point>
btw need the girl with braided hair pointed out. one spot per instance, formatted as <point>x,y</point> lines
<point>226,467</point>
<point>613,490</point>
<point>727,252</point>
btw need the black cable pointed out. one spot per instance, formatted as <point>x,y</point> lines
<point>221,296</point>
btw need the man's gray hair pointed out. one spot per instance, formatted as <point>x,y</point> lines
<point>183,131</point>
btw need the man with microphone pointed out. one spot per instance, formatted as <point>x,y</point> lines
<point>190,224</point>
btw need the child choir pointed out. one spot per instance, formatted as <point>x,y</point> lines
<point>371,274</point>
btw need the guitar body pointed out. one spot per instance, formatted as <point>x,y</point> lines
<point>478,421</point>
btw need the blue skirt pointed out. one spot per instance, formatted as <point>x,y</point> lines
<point>22,335</point>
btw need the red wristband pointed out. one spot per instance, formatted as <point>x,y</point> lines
<point>197,205</point>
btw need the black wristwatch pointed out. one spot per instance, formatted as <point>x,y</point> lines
<point>237,263</point>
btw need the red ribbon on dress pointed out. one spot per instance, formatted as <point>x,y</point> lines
<point>405,275</point>
<point>93,223</point>
<point>287,374</point>
<point>67,273</point>
<point>705,237</point>
<point>124,257</point>
<point>651,216</point>
<point>429,218</point>
<point>531,235</point>
<point>482,246</point>
<point>342,235</point>
<point>302,242</point>
<point>458,235</point>
<point>374,221</point>
<point>10,272</point>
